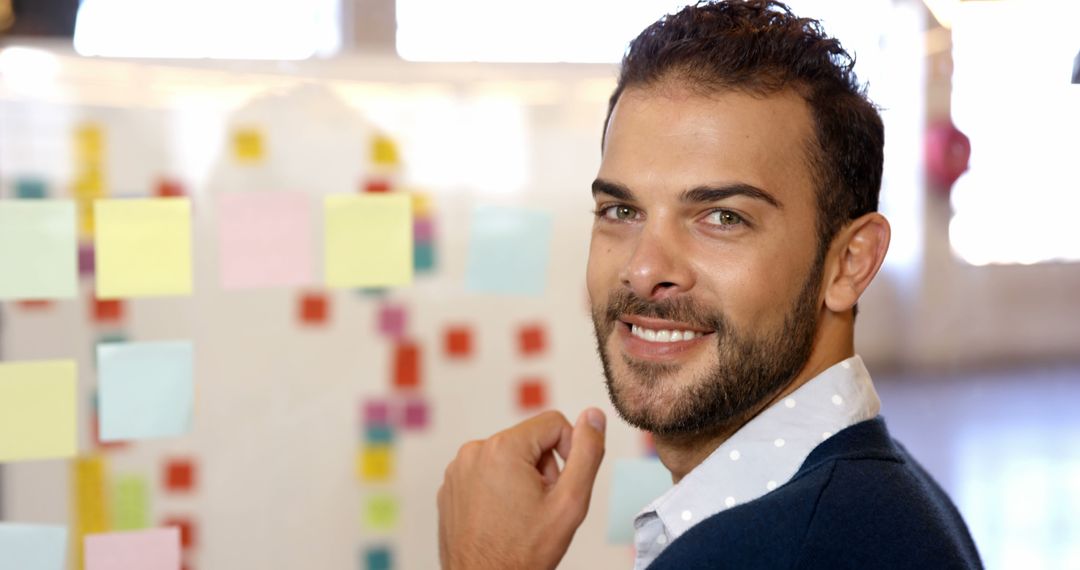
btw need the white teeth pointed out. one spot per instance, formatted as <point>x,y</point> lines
<point>663,335</point>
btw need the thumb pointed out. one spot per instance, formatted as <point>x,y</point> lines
<point>586,452</point>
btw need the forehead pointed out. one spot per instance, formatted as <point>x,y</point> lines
<point>671,138</point>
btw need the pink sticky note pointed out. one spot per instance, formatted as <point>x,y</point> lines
<point>265,239</point>
<point>155,549</point>
<point>376,413</point>
<point>415,414</point>
<point>392,320</point>
<point>423,230</point>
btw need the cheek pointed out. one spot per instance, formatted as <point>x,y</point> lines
<point>602,268</point>
<point>752,291</point>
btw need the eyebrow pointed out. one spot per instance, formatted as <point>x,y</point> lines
<point>697,195</point>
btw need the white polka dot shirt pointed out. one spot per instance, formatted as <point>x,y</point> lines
<point>763,455</point>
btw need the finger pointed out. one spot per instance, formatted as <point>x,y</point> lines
<point>549,468</point>
<point>579,473</point>
<point>443,508</point>
<point>533,437</point>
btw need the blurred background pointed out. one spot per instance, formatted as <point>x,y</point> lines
<point>323,415</point>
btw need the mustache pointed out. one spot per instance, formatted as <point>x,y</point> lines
<point>681,309</point>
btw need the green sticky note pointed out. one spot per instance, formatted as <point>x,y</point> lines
<point>145,389</point>
<point>130,503</point>
<point>37,410</point>
<point>635,483</point>
<point>142,247</point>
<point>39,252</point>
<point>32,546</point>
<point>369,240</point>
<point>381,512</point>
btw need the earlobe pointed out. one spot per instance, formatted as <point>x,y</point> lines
<point>860,248</point>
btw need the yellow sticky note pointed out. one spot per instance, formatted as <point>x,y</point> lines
<point>90,514</point>
<point>89,184</point>
<point>421,205</point>
<point>89,143</point>
<point>369,240</point>
<point>142,247</point>
<point>37,410</point>
<point>381,512</point>
<point>248,145</point>
<point>375,464</point>
<point>384,151</point>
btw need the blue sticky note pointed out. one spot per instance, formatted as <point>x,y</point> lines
<point>634,485</point>
<point>423,256</point>
<point>379,558</point>
<point>145,389</point>
<point>32,547</point>
<point>30,189</point>
<point>509,250</point>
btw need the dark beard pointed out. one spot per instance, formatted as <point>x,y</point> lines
<point>749,372</point>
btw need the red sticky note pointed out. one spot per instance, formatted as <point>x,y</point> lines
<point>314,308</point>
<point>377,185</point>
<point>407,365</point>
<point>107,310</point>
<point>458,342</point>
<point>34,305</point>
<point>168,188</point>
<point>532,394</point>
<point>531,340</point>
<point>392,320</point>
<point>415,415</point>
<point>180,475</point>
<point>187,530</point>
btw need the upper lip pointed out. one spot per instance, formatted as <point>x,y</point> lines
<point>660,324</point>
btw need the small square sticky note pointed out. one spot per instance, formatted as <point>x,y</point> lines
<point>379,435</point>
<point>508,251</point>
<point>37,410</point>
<point>424,257</point>
<point>531,340</point>
<point>32,546</point>
<point>186,527</point>
<point>38,249</point>
<point>89,505</point>
<point>155,549</point>
<point>146,389</point>
<point>264,239</point>
<point>143,247</point>
<point>377,185</point>
<point>86,259</point>
<point>368,240</point>
<point>415,414</point>
<point>406,365</point>
<point>381,512</point>
<point>376,413</point>
<point>314,308</point>
<point>89,143</point>
<point>130,503</point>
<point>634,484</point>
<point>384,151</point>
<point>378,558</point>
<point>247,144</point>
<point>30,189</point>
<point>376,463</point>
<point>179,475</point>
<point>392,320</point>
<point>107,310</point>
<point>532,394</point>
<point>169,188</point>
<point>458,342</point>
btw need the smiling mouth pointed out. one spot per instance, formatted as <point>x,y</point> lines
<point>663,335</point>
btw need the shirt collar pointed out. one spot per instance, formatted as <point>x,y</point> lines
<point>766,452</point>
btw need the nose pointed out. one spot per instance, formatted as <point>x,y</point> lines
<point>658,268</point>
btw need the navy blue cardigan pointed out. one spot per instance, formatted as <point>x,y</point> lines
<point>858,501</point>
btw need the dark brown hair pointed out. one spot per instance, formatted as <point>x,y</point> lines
<point>760,47</point>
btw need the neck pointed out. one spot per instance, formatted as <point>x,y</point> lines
<point>682,453</point>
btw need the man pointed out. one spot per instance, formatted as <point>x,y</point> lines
<point>736,228</point>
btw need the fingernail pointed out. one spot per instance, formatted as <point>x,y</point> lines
<point>596,419</point>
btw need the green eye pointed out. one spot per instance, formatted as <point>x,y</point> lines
<point>725,218</point>
<point>619,213</point>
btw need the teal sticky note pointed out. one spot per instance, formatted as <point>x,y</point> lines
<point>635,483</point>
<point>423,257</point>
<point>30,189</point>
<point>508,251</point>
<point>145,389</point>
<point>38,249</point>
<point>32,547</point>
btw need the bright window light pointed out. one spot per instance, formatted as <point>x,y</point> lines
<point>1013,98</point>
<point>220,29</point>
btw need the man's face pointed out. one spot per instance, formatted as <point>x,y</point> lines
<point>702,269</point>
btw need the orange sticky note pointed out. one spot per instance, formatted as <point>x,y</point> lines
<point>407,365</point>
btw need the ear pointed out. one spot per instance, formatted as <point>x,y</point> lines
<point>857,253</point>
